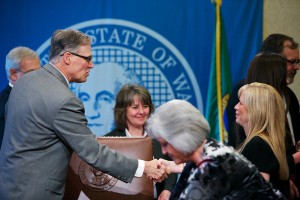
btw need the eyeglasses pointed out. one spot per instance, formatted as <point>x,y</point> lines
<point>293,62</point>
<point>88,59</point>
<point>19,70</point>
<point>24,72</point>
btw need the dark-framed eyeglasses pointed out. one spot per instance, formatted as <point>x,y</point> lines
<point>88,59</point>
<point>293,62</point>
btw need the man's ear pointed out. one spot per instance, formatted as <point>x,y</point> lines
<point>13,74</point>
<point>67,58</point>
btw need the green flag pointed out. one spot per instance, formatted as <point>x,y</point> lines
<point>219,82</point>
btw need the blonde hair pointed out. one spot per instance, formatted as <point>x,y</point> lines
<point>266,115</point>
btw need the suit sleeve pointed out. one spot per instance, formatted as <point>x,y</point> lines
<point>70,124</point>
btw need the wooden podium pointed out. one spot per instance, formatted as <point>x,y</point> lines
<point>85,182</point>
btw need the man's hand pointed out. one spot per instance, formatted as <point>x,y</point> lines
<point>298,146</point>
<point>171,165</point>
<point>294,193</point>
<point>296,157</point>
<point>155,171</point>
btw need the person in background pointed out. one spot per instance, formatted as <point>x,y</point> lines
<point>19,61</point>
<point>262,115</point>
<point>45,124</point>
<point>270,68</point>
<point>213,170</point>
<point>288,48</point>
<point>132,109</point>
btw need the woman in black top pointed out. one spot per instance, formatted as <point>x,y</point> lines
<point>261,113</point>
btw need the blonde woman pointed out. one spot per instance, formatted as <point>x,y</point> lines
<point>261,113</point>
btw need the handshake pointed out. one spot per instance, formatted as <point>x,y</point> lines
<point>158,170</point>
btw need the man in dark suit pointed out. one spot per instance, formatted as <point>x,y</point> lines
<point>45,123</point>
<point>19,61</point>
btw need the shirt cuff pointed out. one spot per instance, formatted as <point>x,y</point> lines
<point>140,170</point>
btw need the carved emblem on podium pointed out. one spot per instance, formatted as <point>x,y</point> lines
<point>95,179</point>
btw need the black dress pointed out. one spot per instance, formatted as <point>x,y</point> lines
<point>261,155</point>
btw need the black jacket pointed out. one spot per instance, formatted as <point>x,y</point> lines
<point>3,99</point>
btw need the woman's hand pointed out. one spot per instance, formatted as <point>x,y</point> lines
<point>171,165</point>
<point>164,195</point>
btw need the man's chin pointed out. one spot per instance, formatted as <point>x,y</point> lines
<point>83,80</point>
<point>79,80</point>
<point>290,80</point>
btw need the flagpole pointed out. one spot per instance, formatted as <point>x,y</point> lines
<point>218,71</point>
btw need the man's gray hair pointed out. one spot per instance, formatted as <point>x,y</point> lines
<point>15,57</point>
<point>67,40</point>
<point>180,124</point>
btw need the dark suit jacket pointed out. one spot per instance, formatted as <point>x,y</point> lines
<point>45,123</point>
<point>3,99</point>
<point>295,113</point>
<point>168,183</point>
<point>295,117</point>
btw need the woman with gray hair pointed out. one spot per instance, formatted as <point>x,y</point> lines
<point>213,170</point>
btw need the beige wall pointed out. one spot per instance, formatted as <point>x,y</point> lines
<point>283,16</point>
